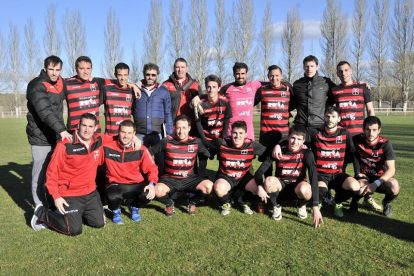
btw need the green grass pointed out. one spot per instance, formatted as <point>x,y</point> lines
<point>208,243</point>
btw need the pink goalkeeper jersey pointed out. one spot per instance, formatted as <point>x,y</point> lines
<point>241,100</point>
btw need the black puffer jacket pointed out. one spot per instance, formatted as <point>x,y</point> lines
<point>310,98</point>
<point>45,110</point>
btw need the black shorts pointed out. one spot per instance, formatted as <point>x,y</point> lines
<point>240,184</point>
<point>371,178</point>
<point>333,181</point>
<point>288,191</point>
<point>188,184</point>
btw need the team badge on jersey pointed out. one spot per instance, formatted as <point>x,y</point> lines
<point>283,94</point>
<point>355,91</point>
<point>375,153</point>
<point>96,155</point>
<point>244,151</point>
<point>92,87</point>
<point>298,159</point>
<point>191,148</point>
<point>128,98</point>
<point>339,139</point>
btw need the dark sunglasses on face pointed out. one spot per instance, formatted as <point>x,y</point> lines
<point>150,75</point>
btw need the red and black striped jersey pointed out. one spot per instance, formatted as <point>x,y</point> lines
<point>329,149</point>
<point>212,121</point>
<point>371,157</point>
<point>275,110</point>
<point>82,97</point>
<point>235,162</point>
<point>118,106</point>
<point>351,100</point>
<point>179,155</point>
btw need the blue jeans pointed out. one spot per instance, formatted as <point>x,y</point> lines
<point>150,140</point>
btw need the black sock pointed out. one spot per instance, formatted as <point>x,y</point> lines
<point>322,193</point>
<point>343,195</point>
<point>357,197</point>
<point>273,198</point>
<point>367,196</point>
<point>199,195</point>
<point>166,200</point>
<point>225,199</point>
<point>301,202</point>
<point>247,197</point>
<point>389,198</point>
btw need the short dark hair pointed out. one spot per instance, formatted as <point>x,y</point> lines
<point>54,60</point>
<point>273,67</point>
<point>182,117</point>
<point>310,58</point>
<point>88,116</point>
<point>240,65</point>
<point>121,66</point>
<point>343,63</point>
<point>297,130</point>
<point>239,124</point>
<point>372,120</point>
<point>127,123</point>
<point>84,59</point>
<point>150,66</point>
<point>212,78</point>
<point>331,109</point>
<point>180,60</point>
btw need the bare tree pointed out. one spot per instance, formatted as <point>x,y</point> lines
<point>176,34</point>
<point>334,28</point>
<point>51,38</point>
<point>153,34</point>
<point>402,48</point>
<point>75,41</point>
<point>378,47</point>
<point>113,52</point>
<point>359,25</point>
<point>198,50</point>
<point>136,65</point>
<point>2,61</point>
<point>14,65</point>
<point>219,41</point>
<point>31,51</point>
<point>292,45</point>
<point>266,40</point>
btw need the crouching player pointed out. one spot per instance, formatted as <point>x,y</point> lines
<point>375,165</point>
<point>123,170</point>
<point>235,155</point>
<point>180,152</point>
<point>289,182</point>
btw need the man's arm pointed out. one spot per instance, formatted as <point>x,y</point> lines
<point>368,102</point>
<point>200,130</point>
<point>258,96</point>
<point>202,149</point>
<point>258,149</point>
<point>159,147</point>
<point>258,175</point>
<point>227,117</point>
<point>167,113</point>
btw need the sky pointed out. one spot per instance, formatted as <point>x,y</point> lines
<point>133,19</point>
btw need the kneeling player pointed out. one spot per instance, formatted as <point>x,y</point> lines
<point>375,165</point>
<point>123,170</point>
<point>235,155</point>
<point>180,153</point>
<point>289,182</point>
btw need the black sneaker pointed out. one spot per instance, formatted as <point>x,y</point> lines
<point>169,211</point>
<point>387,209</point>
<point>353,208</point>
<point>191,209</point>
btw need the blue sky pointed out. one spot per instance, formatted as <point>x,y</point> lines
<point>133,18</point>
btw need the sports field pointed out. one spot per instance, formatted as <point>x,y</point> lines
<point>208,243</point>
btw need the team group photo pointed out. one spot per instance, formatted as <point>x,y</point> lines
<point>215,146</point>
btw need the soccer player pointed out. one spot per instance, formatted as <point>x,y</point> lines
<point>117,98</point>
<point>180,152</point>
<point>124,169</point>
<point>45,125</point>
<point>274,121</point>
<point>235,155</point>
<point>289,181</point>
<point>214,121</point>
<point>375,165</point>
<point>152,112</point>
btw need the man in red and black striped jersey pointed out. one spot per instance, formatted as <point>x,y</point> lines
<point>375,165</point>
<point>124,169</point>
<point>83,95</point>
<point>214,121</point>
<point>235,155</point>
<point>180,152</point>
<point>117,98</point>
<point>289,181</point>
<point>274,120</point>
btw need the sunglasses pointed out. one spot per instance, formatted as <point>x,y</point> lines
<point>150,75</point>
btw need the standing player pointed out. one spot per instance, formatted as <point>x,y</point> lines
<point>45,126</point>
<point>214,121</point>
<point>375,165</point>
<point>117,98</point>
<point>235,155</point>
<point>274,121</point>
<point>289,181</point>
<point>124,169</point>
<point>180,153</point>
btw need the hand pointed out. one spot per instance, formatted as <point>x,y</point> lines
<point>91,78</point>
<point>369,189</point>
<point>195,101</point>
<point>136,143</point>
<point>59,202</point>
<point>366,84</point>
<point>151,191</point>
<point>66,135</point>
<point>136,90</point>
<point>361,175</point>
<point>262,194</point>
<point>277,152</point>
<point>317,217</point>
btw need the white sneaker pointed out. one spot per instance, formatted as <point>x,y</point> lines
<point>302,212</point>
<point>225,209</point>
<point>277,212</point>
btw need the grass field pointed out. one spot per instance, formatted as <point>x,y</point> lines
<point>208,244</point>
